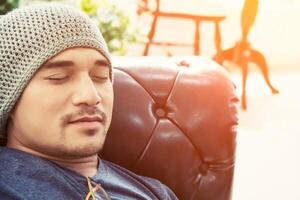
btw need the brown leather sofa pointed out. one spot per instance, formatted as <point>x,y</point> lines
<point>175,119</point>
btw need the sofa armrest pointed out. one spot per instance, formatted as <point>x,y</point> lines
<point>175,123</point>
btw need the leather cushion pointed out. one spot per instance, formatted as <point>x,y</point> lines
<point>175,123</point>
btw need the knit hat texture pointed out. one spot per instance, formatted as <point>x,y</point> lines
<point>30,36</point>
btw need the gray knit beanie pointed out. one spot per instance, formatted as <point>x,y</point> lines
<point>30,36</point>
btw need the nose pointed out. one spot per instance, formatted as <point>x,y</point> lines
<point>85,93</point>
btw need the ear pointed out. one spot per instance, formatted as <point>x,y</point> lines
<point>10,122</point>
<point>11,115</point>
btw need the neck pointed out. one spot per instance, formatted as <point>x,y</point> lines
<point>86,166</point>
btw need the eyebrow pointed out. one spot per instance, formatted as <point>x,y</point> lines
<point>69,63</point>
<point>102,63</point>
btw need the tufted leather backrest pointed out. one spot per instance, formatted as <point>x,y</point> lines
<point>174,119</point>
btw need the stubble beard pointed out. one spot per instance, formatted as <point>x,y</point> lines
<point>68,150</point>
<point>86,149</point>
<point>83,149</point>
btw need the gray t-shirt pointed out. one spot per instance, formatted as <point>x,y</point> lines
<point>28,177</point>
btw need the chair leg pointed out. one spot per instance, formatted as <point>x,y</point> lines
<point>150,35</point>
<point>257,58</point>
<point>242,63</point>
<point>244,68</point>
<point>197,38</point>
<point>218,39</point>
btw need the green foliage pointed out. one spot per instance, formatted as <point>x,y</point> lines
<point>8,5</point>
<point>115,24</point>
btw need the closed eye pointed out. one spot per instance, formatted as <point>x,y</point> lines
<point>50,78</point>
<point>100,74</point>
<point>57,79</point>
<point>100,78</point>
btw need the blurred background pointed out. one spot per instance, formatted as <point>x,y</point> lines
<point>267,160</point>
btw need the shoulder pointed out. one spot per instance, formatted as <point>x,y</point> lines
<point>17,165</point>
<point>14,160</point>
<point>25,176</point>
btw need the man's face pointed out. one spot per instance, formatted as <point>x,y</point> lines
<point>65,111</point>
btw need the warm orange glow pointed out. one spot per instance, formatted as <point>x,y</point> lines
<point>274,31</point>
<point>267,155</point>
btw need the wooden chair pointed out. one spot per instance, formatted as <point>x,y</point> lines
<point>197,19</point>
<point>242,53</point>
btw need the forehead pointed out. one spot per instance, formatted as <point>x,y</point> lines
<point>77,56</point>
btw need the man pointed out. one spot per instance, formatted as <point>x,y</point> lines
<point>56,101</point>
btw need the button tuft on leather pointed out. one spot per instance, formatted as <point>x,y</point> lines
<point>204,168</point>
<point>160,112</point>
<point>183,63</point>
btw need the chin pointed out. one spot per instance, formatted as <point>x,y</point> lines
<point>75,151</point>
<point>88,145</point>
<point>84,151</point>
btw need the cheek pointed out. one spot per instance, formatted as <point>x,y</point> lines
<point>38,108</point>
<point>108,98</point>
<point>42,101</point>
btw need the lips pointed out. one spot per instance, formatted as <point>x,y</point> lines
<point>87,119</point>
